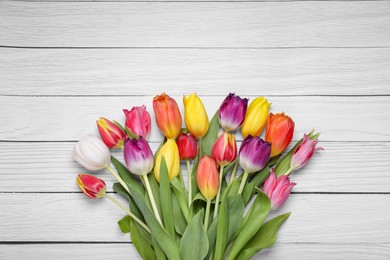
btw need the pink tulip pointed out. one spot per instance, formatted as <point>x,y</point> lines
<point>303,153</point>
<point>112,135</point>
<point>91,186</point>
<point>277,189</point>
<point>138,121</point>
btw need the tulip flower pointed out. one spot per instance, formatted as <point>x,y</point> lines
<point>168,115</point>
<point>170,151</point>
<point>303,153</point>
<point>279,132</point>
<point>224,150</point>
<point>187,146</point>
<point>277,189</point>
<point>255,118</point>
<point>231,113</point>
<point>138,156</point>
<point>138,121</point>
<point>91,153</point>
<point>208,182</point>
<point>195,116</point>
<point>112,135</point>
<point>91,186</point>
<point>254,156</point>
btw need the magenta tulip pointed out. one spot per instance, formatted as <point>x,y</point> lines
<point>231,113</point>
<point>138,156</point>
<point>277,189</point>
<point>254,154</point>
<point>138,121</point>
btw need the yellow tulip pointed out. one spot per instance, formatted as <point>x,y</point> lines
<point>195,116</point>
<point>255,118</point>
<point>170,151</point>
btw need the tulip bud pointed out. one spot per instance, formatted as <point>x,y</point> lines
<point>91,153</point>
<point>279,132</point>
<point>207,177</point>
<point>168,115</point>
<point>111,134</point>
<point>195,116</point>
<point>254,154</point>
<point>231,113</point>
<point>138,156</point>
<point>277,189</point>
<point>170,152</point>
<point>91,186</point>
<point>138,121</point>
<point>303,153</point>
<point>224,149</point>
<point>255,118</point>
<point>187,146</point>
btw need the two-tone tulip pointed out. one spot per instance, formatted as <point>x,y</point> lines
<point>170,152</point>
<point>138,156</point>
<point>254,154</point>
<point>138,121</point>
<point>231,113</point>
<point>279,132</point>
<point>168,115</point>
<point>224,150</point>
<point>255,118</point>
<point>195,116</point>
<point>91,186</point>
<point>187,146</point>
<point>207,177</point>
<point>92,153</point>
<point>277,189</point>
<point>112,135</point>
<point>303,153</point>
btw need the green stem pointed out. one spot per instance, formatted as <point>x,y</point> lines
<point>199,148</point>
<point>206,217</point>
<point>116,175</point>
<point>128,212</point>
<point>151,197</point>
<point>219,191</point>
<point>189,183</point>
<point>233,175</point>
<point>243,182</point>
<point>288,171</point>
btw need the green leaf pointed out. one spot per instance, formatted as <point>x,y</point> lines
<point>235,210</point>
<point>131,181</point>
<point>212,235</point>
<point>143,246</point>
<point>157,249</point>
<point>264,238</point>
<point>194,244</point>
<point>156,191</point>
<point>181,195</point>
<point>180,221</point>
<point>222,231</point>
<point>252,223</point>
<point>211,135</point>
<point>165,198</point>
<point>120,126</point>
<point>256,181</point>
<point>124,224</point>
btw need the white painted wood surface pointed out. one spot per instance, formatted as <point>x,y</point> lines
<point>65,63</point>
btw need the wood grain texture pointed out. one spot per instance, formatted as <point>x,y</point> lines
<point>127,251</point>
<point>316,218</point>
<point>208,24</point>
<point>207,71</point>
<point>69,118</point>
<point>342,167</point>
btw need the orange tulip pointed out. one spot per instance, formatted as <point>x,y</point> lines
<point>207,177</point>
<point>168,115</point>
<point>279,132</point>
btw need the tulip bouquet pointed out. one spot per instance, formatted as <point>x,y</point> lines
<point>216,213</point>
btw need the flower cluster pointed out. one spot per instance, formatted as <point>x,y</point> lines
<point>170,217</point>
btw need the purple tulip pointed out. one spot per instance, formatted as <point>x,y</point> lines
<point>277,189</point>
<point>138,156</point>
<point>231,113</point>
<point>254,154</point>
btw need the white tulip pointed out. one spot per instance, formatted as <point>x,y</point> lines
<point>92,153</point>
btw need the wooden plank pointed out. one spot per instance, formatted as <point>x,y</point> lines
<point>208,24</point>
<point>69,118</point>
<point>128,251</point>
<point>342,167</point>
<point>144,71</point>
<point>316,218</point>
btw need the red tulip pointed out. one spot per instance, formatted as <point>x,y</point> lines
<point>168,115</point>
<point>111,134</point>
<point>187,146</point>
<point>207,177</point>
<point>277,189</point>
<point>224,150</point>
<point>279,133</point>
<point>91,186</point>
<point>138,121</point>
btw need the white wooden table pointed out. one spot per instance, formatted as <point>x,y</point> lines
<point>63,64</point>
